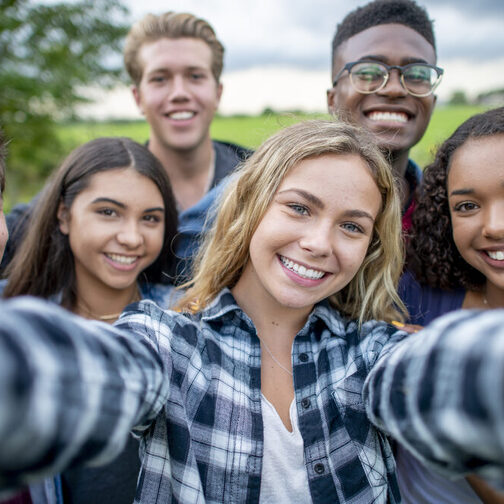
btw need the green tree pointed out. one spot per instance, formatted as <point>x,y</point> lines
<point>48,55</point>
<point>458,98</point>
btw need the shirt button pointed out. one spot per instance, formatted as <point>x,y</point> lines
<point>319,468</point>
<point>305,403</point>
<point>303,357</point>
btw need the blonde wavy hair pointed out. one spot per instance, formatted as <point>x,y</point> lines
<point>371,294</point>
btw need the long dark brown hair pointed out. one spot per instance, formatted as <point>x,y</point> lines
<point>44,264</point>
<point>432,254</point>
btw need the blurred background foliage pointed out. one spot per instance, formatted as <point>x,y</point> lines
<point>48,55</point>
<point>51,54</point>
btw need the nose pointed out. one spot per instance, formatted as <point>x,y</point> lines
<point>317,240</point>
<point>394,86</point>
<point>179,91</point>
<point>494,222</point>
<point>129,235</point>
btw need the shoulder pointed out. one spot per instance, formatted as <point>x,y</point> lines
<point>231,150</point>
<point>164,295</point>
<point>227,157</point>
<point>425,303</point>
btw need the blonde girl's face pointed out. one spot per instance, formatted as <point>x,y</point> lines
<point>115,228</point>
<point>315,234</point>
<point>476,199</point>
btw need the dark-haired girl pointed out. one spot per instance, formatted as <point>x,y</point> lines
<point>102,229</point>
<point>456,257</point>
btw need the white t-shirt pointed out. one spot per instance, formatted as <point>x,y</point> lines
<point>284,479</point>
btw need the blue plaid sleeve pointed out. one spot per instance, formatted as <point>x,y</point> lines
<point>440,394</point>
<point>70,389</point>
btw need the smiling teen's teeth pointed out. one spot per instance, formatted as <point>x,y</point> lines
<point>122,259</point>
<point>388,116</point>
<point>498,255</point>
<point>179,116</point>
<point>301,270</point>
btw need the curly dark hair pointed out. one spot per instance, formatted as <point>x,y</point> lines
<point>431,252</point>
<point>405,12</point>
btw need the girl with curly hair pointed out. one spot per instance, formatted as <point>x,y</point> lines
<point>455,257</point>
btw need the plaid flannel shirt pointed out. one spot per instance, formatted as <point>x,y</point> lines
<point>196,395</point>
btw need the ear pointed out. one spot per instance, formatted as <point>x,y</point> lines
<point>219,92</point>
<point>63,218</point>
<point>138,99</point>
<point>330,102</point>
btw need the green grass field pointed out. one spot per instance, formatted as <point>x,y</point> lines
<point>250,131</point>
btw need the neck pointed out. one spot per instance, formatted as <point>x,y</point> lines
<point>189,170</point>
<point>104,304</point>
<point>494,296</point>
<point>275,323</point>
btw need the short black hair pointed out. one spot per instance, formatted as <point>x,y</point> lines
<point>3,156</point>
<point>405,12</point>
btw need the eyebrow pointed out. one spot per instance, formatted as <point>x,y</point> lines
<point>319,204</point>
<point>359,213</point>
<point>122,205</point>
<point>385,59</point>
<point>307,196</point>
<point>168,69</point>
<point>462,192</point>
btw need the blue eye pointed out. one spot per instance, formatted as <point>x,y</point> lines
<point>352,227</point>
<point>299,209</point>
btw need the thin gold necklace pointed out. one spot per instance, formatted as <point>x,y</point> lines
<point>108,316</point>
<point>274,358</point>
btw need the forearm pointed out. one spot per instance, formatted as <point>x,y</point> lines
<point>70,390</point>
<point>441,393</point>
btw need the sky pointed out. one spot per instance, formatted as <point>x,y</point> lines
<point>278,51</point>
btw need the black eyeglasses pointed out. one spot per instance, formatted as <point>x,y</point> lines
<point>418,79</point>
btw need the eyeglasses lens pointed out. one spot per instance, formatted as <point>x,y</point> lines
<point>417,79</point>
<point>368,77</point>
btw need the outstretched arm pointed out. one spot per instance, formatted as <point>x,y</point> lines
<point>70,389</point>
<point>440,393</point>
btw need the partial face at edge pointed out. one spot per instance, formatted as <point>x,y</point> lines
<point>315,234</point>
<point>476,199</point>
<point>398,119</point>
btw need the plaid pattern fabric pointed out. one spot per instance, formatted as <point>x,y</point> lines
<point>71,389</point>
<point>440,394</point>
<point>207,444</point>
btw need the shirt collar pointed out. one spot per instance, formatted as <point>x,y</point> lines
<point>224,305</point>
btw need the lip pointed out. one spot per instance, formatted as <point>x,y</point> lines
<point>305,282</point>
<point>186,116</point>
<point>121,266</point>
<point>388,109</point>
<point>495,263</point>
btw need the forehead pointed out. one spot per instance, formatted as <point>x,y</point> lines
<point>166,53</point>
<point>339,180</point>
<point>479,162</point>
<point>393,43</point>
<point>120,183</point>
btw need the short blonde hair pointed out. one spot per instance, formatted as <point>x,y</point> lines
<point>173,25</point>
<point>371,294</point>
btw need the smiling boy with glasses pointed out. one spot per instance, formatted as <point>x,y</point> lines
<point>384,75</point>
